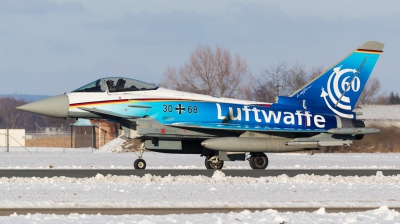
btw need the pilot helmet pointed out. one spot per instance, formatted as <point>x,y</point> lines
<point>110,82</point>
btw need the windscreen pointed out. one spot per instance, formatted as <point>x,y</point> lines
<point>125,84</point>
<point>96,86</point>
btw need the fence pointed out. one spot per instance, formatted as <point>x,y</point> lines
<point>17,138</point>
<point>13,138</point>
<point>50,140</point>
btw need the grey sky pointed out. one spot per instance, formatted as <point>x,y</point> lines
<point>52,47</point>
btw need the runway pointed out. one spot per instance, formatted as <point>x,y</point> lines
<point>84,173</point>
<point>168,211</point>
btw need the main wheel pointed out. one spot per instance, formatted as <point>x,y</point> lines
<point>258,161</point>
<point>213,163</point>
<point>139,164</point>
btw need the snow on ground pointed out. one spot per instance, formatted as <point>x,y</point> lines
<point>55,158</point>
<point>382,215</point>
<point>199,191</point>
<point>115,145</point>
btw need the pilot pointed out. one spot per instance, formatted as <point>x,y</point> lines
<point>110,85</point>
<point>120,85</point>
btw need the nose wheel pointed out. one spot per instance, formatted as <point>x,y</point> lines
<point>139,164</point>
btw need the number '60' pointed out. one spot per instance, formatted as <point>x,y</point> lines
<point>355,84</point>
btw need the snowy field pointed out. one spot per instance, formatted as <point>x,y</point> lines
<point>198,191</point>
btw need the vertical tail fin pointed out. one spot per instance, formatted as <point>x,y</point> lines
<point>338,88</point>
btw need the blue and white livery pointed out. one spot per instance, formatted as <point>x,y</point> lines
<point>223,129</point>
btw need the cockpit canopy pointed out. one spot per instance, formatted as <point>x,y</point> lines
<point>116,84</point>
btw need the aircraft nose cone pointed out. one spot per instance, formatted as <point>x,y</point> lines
<point>56,106</point>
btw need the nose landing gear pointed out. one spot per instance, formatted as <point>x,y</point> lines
<point>139,164</point>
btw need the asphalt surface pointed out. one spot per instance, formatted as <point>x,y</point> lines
<point>82,173</point>
<point>167,211</point>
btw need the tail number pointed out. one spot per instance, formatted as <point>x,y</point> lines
<point>355,84</point>
<point>179,108</point>
<point>192,109</point>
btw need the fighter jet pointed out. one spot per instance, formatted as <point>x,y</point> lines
<point>224,129</point>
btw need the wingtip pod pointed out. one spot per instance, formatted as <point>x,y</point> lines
<point>372,46</point>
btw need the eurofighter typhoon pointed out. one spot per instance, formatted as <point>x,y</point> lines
<point>224,129</point>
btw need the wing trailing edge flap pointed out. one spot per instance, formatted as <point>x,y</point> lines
<point>106,113</point>
<point>240,127</point>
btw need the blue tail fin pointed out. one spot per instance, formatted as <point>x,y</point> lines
<point>337,89</point>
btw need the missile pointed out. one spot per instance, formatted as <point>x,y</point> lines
<point>301,143</point>
<point>244,144</point>
<point>354,131</point>
<point>321,143</point>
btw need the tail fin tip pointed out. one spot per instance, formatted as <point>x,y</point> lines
<point>372,46</point>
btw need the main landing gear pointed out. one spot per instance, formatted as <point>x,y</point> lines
<point>213,162</point>
<point>258,161</point>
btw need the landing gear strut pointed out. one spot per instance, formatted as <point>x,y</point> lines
<point>213,162</point>
<point>258,161</point>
